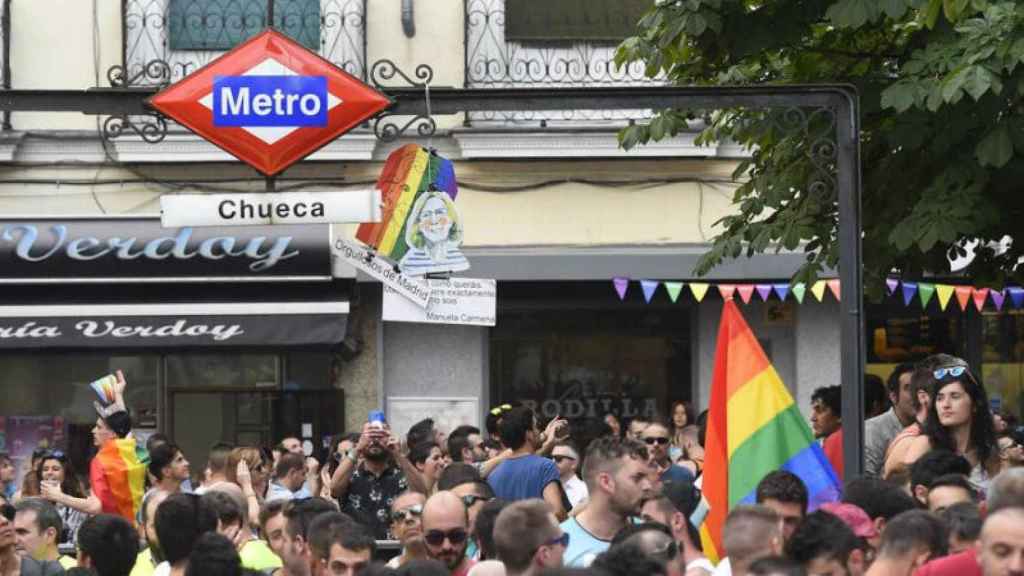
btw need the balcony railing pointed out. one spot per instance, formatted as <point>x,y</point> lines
<point>494,62</point>
<point>148,23</point>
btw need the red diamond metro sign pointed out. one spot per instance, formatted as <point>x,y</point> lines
<point>270,102</point>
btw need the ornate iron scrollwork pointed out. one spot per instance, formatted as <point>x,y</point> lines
<point>384,70</point>
<point>152,128</point>
<point>153,73</point>
<point>389,130</point>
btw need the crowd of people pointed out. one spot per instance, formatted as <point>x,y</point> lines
<point>942,493</point>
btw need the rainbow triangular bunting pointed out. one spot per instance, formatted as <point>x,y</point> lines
<point>998,297</point>
<point>673,289</point>
<point>819,290</point>
<point>746,291</point>
<point>963,296</point>
<point>909,290</point>
<point>925,292</point>
<point>833,286</point>
<point>945,292</point>
<point>621,286</point>
<point>891,284</point>
<point>1016,295</point>
<point>699,290</point>
<point>799,289</point>
<point>781,290</point>
<point>726,290</point>
<point>764,291</point>
<point>648,286</point>
<point>979,295</point>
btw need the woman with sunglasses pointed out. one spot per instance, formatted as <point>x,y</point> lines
<point>249,468</point>
<point>959,421</point>
<point>57,478</point>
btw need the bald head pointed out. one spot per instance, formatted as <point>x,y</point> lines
<point>444,506</point>
<point>445,528</point>
<point>752,532</point>
<point>1002,542</point>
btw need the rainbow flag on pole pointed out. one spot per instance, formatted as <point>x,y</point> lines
<point>118,477</point>
<point>754,427</point>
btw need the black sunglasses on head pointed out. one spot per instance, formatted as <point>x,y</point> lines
<point>8,511</point>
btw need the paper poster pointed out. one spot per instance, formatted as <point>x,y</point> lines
<point>448,413</point>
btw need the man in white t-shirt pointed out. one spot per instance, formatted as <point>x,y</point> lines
<point>567,460</point>
<point>618,478</point>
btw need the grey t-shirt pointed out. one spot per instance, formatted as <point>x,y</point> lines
<point>878,433</point>
<point>30,567</point>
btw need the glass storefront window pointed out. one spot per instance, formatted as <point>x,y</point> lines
<point>898,333</point>
<point>595,359</point>
<point>222,371</point>
<point>1002,369</point>
<point>49,402</point>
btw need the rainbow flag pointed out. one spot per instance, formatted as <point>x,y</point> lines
<point>408,172</point>
<point>118,477</point>
<point>754,427</point>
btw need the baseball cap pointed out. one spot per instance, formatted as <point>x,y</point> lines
<point>687,499</point>
<point>853,516</point>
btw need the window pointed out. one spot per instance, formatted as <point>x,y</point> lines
<point>573,20</point>
<point>223,24</point>
<point>1002,370</point>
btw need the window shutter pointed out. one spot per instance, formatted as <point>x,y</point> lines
<point>223,24</point>
<point>573,20</point>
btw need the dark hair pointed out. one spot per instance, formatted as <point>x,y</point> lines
<point>300,514</point>
<point>492,444</point>
<point>983,434</point>
<point>772,565</point>
<point>690,419</point>
<point>155,440</point>
<point>963,520</point>
<point>420,453</point>
<point>893,383</point>
<point>111,542</point>
<point>70,485</point>
<point>626,560</point>
<point>911,530</point>
<point>874,393</point>
<point>423,568</point>
<point>822,534</point>
<point>630,530</point>
<point>937,463</point>
<point>515,424</point>
<point>465,430</point>
<point>456,444</point>
<point>225,506</point>
<point>160,457</point>
<point>923,377</point>
<point>180,520</point>
<point>217,460</point>
<point>120,422</point>
<point>830,396</point>
<point>783,486</point>
<point>702,427</point>
<point>214,555</point>
<point>456,474</point>
<point>332,528</point>
<point>421,431</point>
<point>955,481</point>
<point>484,527</point>
<point>287,462</point>
<point>46,513</point>
<point>878,498</point>
<point>604,454</point>
<point>271,509</point>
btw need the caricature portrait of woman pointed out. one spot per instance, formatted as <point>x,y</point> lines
<point>433,234</point>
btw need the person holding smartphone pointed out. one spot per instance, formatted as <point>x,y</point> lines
<point>372,475</point>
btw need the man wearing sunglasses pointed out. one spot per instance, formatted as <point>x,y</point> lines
<point>528,538</point>
<point>656,437</point>
<point>407,527</point>
<point>446,532</point>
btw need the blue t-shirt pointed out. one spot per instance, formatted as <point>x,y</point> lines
<point>583,546</point>
<point>676,473</point>
<point>523,477</point>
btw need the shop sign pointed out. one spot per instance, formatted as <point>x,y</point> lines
<point>594,407</point>
<point>469,301</point>
<point>70,250</point>
<point>270,102</point>
<point>415,289</point>
<point>269,209</point>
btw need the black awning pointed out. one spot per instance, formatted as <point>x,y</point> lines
<point>173,317</point>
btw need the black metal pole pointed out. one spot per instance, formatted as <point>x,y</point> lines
<point>271,184</point>
<point>852,344</point>
<point>270,13</point>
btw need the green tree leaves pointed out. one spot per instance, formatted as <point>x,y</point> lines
<point>942,95</point>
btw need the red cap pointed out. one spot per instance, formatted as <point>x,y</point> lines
<point>853,516</point>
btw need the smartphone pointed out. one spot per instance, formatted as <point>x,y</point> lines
<point>376,419</point>
<point>104,388</point>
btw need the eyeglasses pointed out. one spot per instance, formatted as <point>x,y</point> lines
<point>656,440</point>
<point>562,541</point>
<point>8,511</point>
<point>411,512</point>
<point>437,537</point>
<point>951,371</point>
<point>469,499</point>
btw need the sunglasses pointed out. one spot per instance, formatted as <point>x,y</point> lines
<point>55,455</point>
<point>562,541</point>
<point>503,408</point>
<point>656,440</point>
<point>560,458</point>
<point>8,511</point>
<point>437,537</point>
<point>411,512</point>
<point>951,371</point>
<point>469,499</point>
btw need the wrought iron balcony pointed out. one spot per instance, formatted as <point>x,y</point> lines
<point>165,40</point>
<point>492,61</point>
